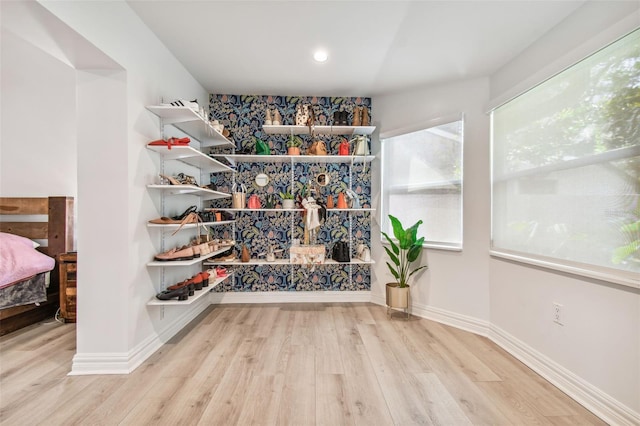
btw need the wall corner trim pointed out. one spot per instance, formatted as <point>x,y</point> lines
<point>125,363</point>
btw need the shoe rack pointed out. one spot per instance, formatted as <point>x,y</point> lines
<point>188,159</point>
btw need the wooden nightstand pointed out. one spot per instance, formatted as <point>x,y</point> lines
<point>68,281</point>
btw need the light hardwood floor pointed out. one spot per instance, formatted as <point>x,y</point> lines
<point>290,364</point>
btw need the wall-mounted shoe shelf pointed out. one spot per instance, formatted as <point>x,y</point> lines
<point>192,299</point>
<point>204,193</point>
<point>292,210</point>
<point>191,123</point>
<point>174,263</point>
<point>169,227</point>
<point>320,130</point>
<point>191,156</point>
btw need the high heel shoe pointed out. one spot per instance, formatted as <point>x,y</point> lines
<point>172,180</point>
<point>191,209</point>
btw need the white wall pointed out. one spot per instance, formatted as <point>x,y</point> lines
<point>118,67</point>
<point>600,339</point>
<point>456,282</point>
<point>38,138</point>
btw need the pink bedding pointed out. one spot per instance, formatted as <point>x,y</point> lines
<point>19,260</point>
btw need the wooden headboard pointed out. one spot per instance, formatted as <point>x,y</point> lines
<point>57,230</point>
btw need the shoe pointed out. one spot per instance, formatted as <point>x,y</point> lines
<point>185,253</point>
<point>356,117</point>
<point>364,121</point>
<point>181,294</point>
<point>267,119</point>
<point>182,103</point>
<point>205,278</point>
<point>344,115</point>
<point>164,221</point>
<point>221,272</point>
<point>337,118</point>
<point>191,209</point>
<point>277,118</point>
<point>171,142</point>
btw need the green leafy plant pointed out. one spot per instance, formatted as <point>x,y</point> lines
<point>286,195</point>
<point>405,252</point>
<point>294,141</point>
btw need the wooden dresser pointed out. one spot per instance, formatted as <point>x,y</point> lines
<point>68,281</point>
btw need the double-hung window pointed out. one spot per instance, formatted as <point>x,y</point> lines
<point>422,179</point>
<point>566,169</point>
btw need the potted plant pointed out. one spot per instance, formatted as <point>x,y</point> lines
<point>293,145</point>
<point>287,200</point>
<point>402,255</point>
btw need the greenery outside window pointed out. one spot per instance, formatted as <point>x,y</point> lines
<point>566,168</point>
<point>422,180</point>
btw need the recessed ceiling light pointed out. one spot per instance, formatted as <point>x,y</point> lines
<point>320,56</point>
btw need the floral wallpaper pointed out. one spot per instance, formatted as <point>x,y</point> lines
<point>244,116</point>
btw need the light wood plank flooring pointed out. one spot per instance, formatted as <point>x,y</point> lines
<point>290,364</point>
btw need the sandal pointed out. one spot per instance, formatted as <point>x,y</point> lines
<point>191,209</point>
<point>171,142</point>
<point>186,179</point>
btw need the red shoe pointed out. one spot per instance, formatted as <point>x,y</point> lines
<point>171,142</point>
<point>205,278</point>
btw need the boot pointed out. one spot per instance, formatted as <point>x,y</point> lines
<point>267,118</point>
<point>277,118</point>
<point>356,117</point>
<point>364,121</point>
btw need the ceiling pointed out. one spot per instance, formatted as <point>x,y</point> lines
<point>375,47</point>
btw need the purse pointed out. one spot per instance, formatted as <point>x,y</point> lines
<point>343,149</point>
<point>238,196</point>
<point>361,145</point>
<point>317,148</point>
<point>262,148</point>
<point>340,252</point>
<point>254,202</point>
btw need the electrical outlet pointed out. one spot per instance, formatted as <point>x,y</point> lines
<point>557,313</point>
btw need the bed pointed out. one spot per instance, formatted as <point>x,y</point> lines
<point>49,221</point>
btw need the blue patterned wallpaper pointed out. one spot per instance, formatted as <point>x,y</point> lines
<point>244,117</point>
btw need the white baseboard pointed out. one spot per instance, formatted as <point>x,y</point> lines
<point>593,399</point>
<point>290,297</point>
<point>125,363</point>
<point>598,402</point>
<point>442,316</point>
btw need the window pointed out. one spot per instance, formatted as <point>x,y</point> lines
<point>422,179</point>
<point>566,168</point>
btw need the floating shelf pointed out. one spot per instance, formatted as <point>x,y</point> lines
<point>254,262</point>
<point>291,210</point>
<point>320,130</point>
<point>191,156</point>
<point>322,159</point>
<point>172,226</point>
<point>191,123</point>
<point>192,299</point>
<point>204,193</point>
<point>172,263</point>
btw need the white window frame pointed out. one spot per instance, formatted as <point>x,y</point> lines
<point>434,122</point>
<point>602,273</point>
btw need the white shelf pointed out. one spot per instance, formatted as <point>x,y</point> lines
<point>204,193</point>
<point>191,156</point>
<point>253,262</point>
<point>191,123</point>
<point>171,263</point>
<point>173,226</point>
<point>192,299</point>
<point>322,159</point>
<point>291,210</point>
<point>323,130</point>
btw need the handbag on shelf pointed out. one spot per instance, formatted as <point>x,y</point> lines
<point>262,148</point>
<point>361,145</point>
<point>317,148</point>
<point>343,149</point>
<point>254,202</point>
<point>340,252</point>
<point>238,196</point>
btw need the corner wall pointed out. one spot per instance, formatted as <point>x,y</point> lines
<point>455,288</point>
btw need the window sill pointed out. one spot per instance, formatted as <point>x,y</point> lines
<point>625,279</point>
<point>435,246</point>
